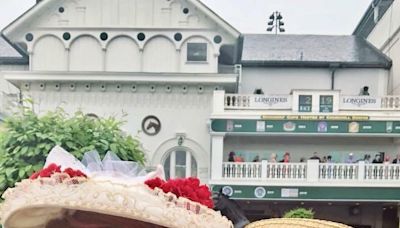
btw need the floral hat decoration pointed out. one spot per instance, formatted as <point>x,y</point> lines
<point>106,193</point>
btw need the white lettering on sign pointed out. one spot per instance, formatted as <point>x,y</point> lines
<point>270,192</point>
<point>238,191</point>
<point>367,127</point>
<point>238,126</point>
<point>360,103</point>
<point>271,101</point>
<point>334,127</point>
<point>302,126</point>
<point>289,193</point>
<point>303,193</point>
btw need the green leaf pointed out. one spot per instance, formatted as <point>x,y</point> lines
<point>21,173</point>
<point>114,147</point>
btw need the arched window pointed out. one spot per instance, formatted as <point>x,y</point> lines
<point>180,163</point>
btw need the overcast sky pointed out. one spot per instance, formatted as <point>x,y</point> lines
<point>250,16</point>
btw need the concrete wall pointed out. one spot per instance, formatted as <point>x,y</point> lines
<point>386,37</point>
<point>298,147</point>
<point>283,80</point>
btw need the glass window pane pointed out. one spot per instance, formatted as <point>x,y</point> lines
<point>180,167</point>
<point>194,167</point>
<point>197,52</point>
<point>166,168</point>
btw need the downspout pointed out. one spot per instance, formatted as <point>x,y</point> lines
<point>333,68</point>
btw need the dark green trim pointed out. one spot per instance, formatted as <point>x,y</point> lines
<point>316,193</point>
<point>385,128</point>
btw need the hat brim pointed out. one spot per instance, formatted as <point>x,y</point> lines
<point>34,204</point>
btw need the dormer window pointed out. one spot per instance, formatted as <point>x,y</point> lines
<point>197,52</point>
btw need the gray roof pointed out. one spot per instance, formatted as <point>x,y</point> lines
<point>310,51</point>
<point>9,55</point>
<point>367,22</point>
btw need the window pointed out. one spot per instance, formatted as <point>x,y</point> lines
<point>197,52</point>
<point>180,164</point>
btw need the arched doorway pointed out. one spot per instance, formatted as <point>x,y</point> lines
<point>180,163</point>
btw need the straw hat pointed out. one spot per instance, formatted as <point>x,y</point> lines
<point>101,193</point>
<point>295,223</point>
<point>63,200</point>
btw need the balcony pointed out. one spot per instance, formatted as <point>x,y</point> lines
<point>304,101</point>
<point>285,102</point>
<point>312,173</point>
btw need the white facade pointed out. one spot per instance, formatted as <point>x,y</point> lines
<point>386,37</point>
<point>130,59</point>
<point>349,81</point>
<point>140,58</point>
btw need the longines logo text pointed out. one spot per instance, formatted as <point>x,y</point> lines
<point>271,100</point>
<point>359,101</point>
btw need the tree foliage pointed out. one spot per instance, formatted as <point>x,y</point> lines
<point>300,213</point>
<point>28,138</point>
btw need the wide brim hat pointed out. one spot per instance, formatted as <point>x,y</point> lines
<point>40,202</point>
<point>103,193</point>
<point>295,223</point>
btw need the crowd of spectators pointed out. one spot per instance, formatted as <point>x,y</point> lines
<point>380,158</point>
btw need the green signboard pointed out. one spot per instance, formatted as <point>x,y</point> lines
<point>309,193</point>
<point>305,103</point>
<point>326,104</point>
<point>304,126</point>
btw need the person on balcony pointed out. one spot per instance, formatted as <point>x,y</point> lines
<point>365,91</point>
<point>286,158</point>
<point>272,158</point>
<point>316,157</point>
<point>329,159</point>
<point>397,159</point>
<point>256,158</point>
<point>351,159</point>
<point>258,92</point>
<point>239,158</point>
<point>231,156</point>
<point>377,159</point>
<point>387,160</point>
<point>367,159</point>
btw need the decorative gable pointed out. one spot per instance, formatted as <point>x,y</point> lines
<point>122,36</point>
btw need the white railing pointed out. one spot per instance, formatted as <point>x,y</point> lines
<point>312,171</point>
<point>285,171</point>
<point>245,102</point>
<point>382,172</point>
<point>237,101</point>
<point>338,171</point>
<point>242,170</point>
<point>391,102</point>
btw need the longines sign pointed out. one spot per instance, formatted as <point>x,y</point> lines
<point>271,102</point>
<point>360,102</point>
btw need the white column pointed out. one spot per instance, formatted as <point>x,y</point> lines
<point>219,102</point>
<point>264,164</point>
<point>217,156</point>
<point>361,170</point>
<point>312,170</point>
<point>172,165</point>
